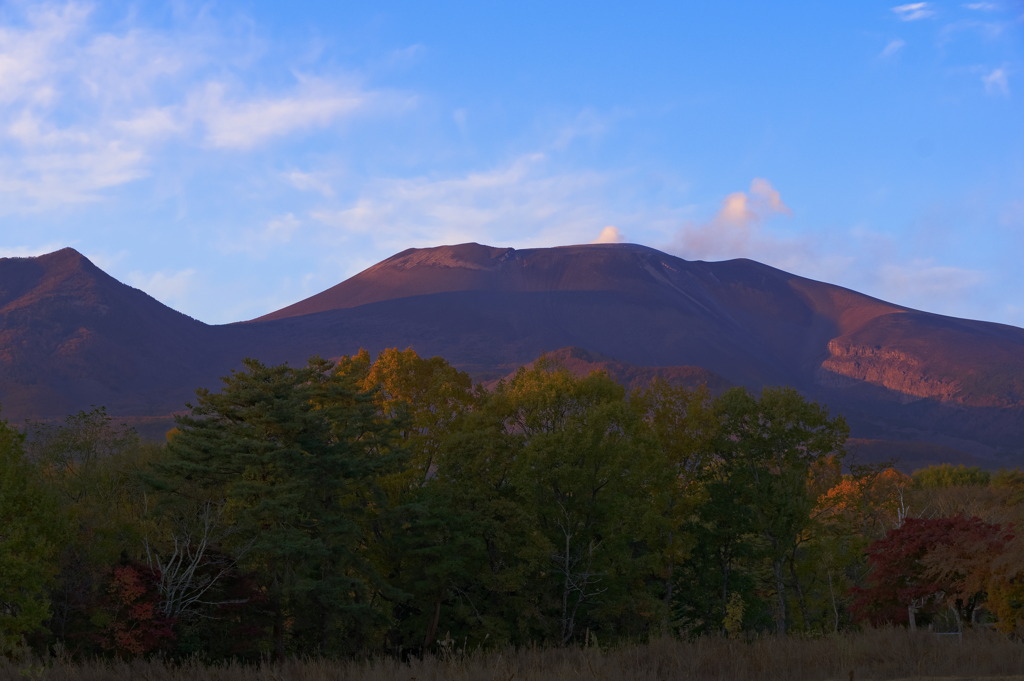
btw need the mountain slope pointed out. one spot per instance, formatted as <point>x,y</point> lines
<point>71,336</point>
<point>748,322</point>
<point>896,372</point>
<point>740,319</point>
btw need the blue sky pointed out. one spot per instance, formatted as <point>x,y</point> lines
<point>230,158</point>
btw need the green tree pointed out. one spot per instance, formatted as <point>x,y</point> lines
<point>293,457</point>
<point>585,461</point>
<point>491,548</point>
<point>421,542</point>
<point>31,528</point>
<point>682,428</point>
<point>760,487</point>
<point>947,475</point>
<point>92,465</point>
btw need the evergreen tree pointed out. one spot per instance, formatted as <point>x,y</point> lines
<point>292,457</point>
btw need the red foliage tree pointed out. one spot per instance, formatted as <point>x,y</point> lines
<point>132,623</point>
<point>921,566</point>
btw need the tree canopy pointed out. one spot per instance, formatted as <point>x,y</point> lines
<point>387,505</point>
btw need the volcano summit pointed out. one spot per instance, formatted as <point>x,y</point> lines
<point>72,337</point>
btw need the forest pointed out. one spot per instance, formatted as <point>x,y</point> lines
<point>390,507</point>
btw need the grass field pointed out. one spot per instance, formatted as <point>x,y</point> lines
<point>878,654</point>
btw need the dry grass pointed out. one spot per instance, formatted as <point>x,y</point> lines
<point>881,654</point>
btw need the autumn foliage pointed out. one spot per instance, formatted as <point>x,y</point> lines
<point>388,506</point>
<point>929,564</point>
<point>132,623</point>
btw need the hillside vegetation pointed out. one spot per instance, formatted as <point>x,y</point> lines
<point>388,508</point>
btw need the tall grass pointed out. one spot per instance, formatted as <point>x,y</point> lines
<point>875,654</point>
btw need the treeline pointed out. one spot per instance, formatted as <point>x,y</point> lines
<point>391,507</point>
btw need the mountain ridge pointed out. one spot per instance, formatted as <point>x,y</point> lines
<point>71,335</point>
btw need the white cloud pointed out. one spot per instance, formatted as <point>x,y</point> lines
<point>245,123</point>
<point>982,6</point>
<point>460,118</point>
<point>406,55</point>
<point>29,251</point>
<point>151,125</point>
<point>734,231</point>
<point>921,282</point>
<point>609,235</point>
<point>524,202</point>
<point>281,229</point>
<point>586,125</point>
<point>891,49</point>
<point>865,261</point>
<point>277,232</point>
<point>173,289</point>
<point>30,56</point>
<point>996,82</point>
<point>766,198</point>
<point>84,109</point>
<point>913,11</point>
<point>310,182</point>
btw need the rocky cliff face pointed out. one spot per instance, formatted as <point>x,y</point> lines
<point>889,368</point>
<point>918,355</point>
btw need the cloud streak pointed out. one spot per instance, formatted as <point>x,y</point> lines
<point>914,11</point>
<point>997,82</point>
<point>172,288</point>
<point>891,49</point>
<point>524,201</point>
<point>85,110</point>
<point>246,123</point>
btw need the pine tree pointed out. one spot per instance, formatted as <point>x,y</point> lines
<point>292,458</point>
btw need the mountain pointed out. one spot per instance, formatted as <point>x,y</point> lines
<point>72,336</point>
<point>899,375</point>
<point>747,322</point>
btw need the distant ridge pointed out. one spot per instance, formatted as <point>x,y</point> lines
<point>71,336</point>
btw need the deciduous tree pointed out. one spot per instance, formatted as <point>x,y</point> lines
<point>927,564</point>
<point>31,527</point>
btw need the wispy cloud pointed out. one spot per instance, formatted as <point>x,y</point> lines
<point>997,82</point>
<point>892,48</point>
<point>172,288</point>
<point>921,282</point>
<point>277,232</point>
<point>913,11</point>
<point>867,261</point>
<point>245,123</point>
<point>310,182</point>
<point>982,6</point>
<point>84,110</point>
<point>524,201</point>
<point>29,251</point>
